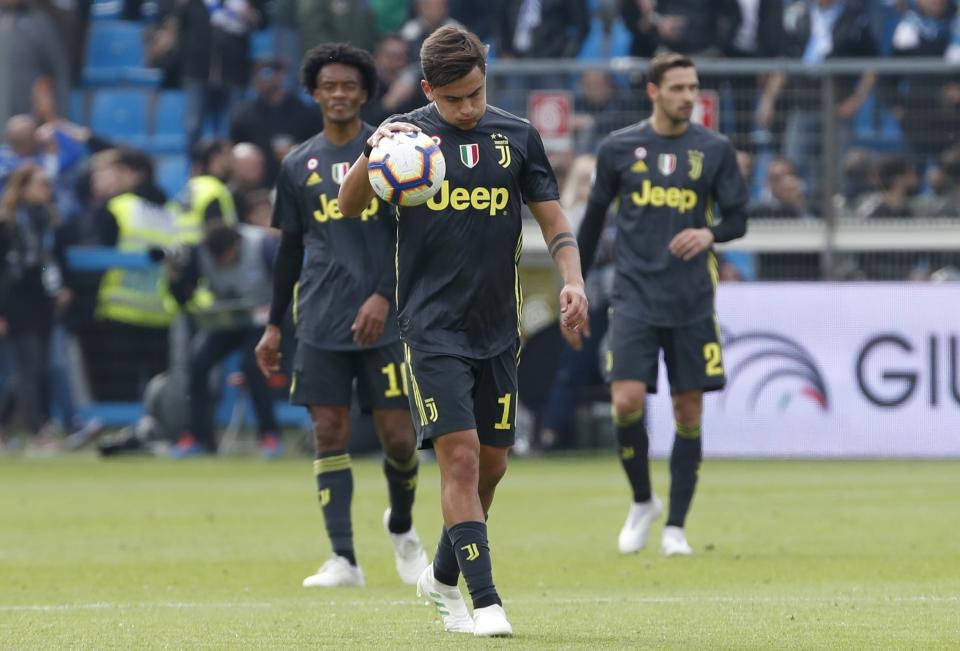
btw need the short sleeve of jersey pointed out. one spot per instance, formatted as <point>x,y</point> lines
<point>730,190</point>
<point>605,182</point>
<point>286,216</point>
<point>537,180</point>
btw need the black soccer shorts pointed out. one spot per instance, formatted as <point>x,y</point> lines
<point>691,353</point>
<point>449,393</point>
<point>325,377</point>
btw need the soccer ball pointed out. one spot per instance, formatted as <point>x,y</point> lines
<point>407,168</point>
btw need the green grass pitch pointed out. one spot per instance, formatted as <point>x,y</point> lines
<point>149,554</point>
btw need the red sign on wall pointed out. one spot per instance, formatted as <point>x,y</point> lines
<point>707,110</point>
<point>550,112</point>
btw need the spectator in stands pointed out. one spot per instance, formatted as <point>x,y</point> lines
<point>897,178</point>
<point>926,105</point>
<point>815,31</point>
<point>31,49</point>
<point>214,44</point>
<point>206,200</point>
<point>234,265</point>
<point>695,27</point>
<point>428,16</point>
<point>479,17</point>
<point>857,181</point>
<point>391,14</point>
<point>398,83</point>
<point>599,109</point>
<point>333,21</point>
<point>259,212</point>
<point>950,164</point>
<point>752,97</point>
<point>541,29</point>
<point>275,120</point>
<point>538,29</point>
<point>787,199</point>
<point>31,290</point>
<point>246,175</point>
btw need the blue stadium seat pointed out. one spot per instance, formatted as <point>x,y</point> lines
<point>168,132</point>
<point>171,174</point>
<point>78,106</point>
<point>120,115</point>
<point>115,54</point>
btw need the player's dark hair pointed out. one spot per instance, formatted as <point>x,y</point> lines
<point>449,54</point>
<point>660,64</point>
<point>327,53</point>
<point>220,238</point>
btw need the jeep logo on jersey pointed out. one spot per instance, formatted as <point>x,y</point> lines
<point>682,199</point>
<point>667,163</point>
<point>470,154</point>
<point>338,171</point>
<point>330,210</point>
<point>492,200</point>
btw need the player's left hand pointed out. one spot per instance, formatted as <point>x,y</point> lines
<point>573,309</point>
<point>691,242</point>
<point>367,328</point>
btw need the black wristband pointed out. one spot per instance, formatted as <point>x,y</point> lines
<point>367,150</point>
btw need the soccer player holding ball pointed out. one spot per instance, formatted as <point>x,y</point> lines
<point>459,299</point>
<point>344,311</point>
<point>669,176</point>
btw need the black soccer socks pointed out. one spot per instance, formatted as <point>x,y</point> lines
<point>402,486</point>
<point>469,540</point>
<point>445,567</point>
<point>634,447</point>
<point>335,491</point>
<point>684,465</point>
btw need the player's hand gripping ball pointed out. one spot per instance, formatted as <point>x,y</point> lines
<point>406,169</point>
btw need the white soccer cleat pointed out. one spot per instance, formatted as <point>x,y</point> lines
<point>674,542</point>
<point>448,601</point>
<point>336,573</point>
<point>411,559</point>
<point>633,536</point>
<point>491,621</point>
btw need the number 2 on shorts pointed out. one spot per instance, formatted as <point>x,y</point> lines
<point>711,353</point>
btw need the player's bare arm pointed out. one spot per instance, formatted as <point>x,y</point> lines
<point>562,245</point>
<point>355,191</point>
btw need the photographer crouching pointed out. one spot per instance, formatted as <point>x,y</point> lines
<point>224,283</point>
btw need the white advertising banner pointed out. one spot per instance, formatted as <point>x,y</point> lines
<point>831,370</point>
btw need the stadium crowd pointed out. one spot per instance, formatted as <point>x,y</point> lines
<point>196,121</point>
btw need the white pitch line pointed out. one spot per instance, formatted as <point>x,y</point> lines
<point>576,601</point>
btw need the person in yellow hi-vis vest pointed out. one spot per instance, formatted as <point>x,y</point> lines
<point>206,200</point>
<point>128,343</point>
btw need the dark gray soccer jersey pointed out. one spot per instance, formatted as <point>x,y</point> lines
<point>347,258</point>
<point>458,282</point>
<point>663,186</point>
